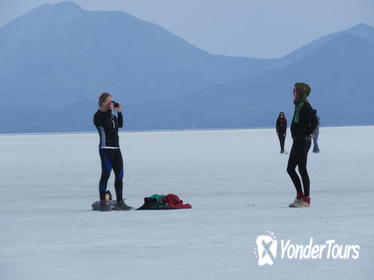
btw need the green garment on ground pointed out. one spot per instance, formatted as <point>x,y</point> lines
<point>159,203</point>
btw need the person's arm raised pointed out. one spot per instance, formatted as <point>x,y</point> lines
<point>120,116</point>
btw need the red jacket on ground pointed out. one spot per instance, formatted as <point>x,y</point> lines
<point>174,202</point>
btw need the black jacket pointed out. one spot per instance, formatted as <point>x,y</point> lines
<point>307,122</point>
<point>107,125</point>
<point>281,126</point>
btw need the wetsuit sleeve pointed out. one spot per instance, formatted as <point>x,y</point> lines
<point>104,120</point>
<point>311,119</point>
<point>120,119</point>
<point>277,126</point>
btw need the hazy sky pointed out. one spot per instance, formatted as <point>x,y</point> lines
<point>255,28</point>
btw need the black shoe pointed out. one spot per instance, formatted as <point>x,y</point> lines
<point>105,205</point>
<point>108,195</point>
<point>149,204</point>
<point>122,206</point>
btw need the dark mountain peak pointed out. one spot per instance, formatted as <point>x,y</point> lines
<point>65,5</point>
<point>361,27</point>
<point>362,30</point>
<point>61,9</point>
<point>44,13</point>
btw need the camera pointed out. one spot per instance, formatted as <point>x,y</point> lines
<point>115,104</point>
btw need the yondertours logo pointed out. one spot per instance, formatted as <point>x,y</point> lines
<point>268,249</point>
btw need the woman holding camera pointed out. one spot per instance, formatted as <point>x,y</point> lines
<point>107,121</point>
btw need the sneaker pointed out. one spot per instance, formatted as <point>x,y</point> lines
<point>306,201</point>
<point>300,203</point>
<point>121,206</point>
<point>105,205</point>
<point>297,203</point>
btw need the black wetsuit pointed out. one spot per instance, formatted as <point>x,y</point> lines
<point>281,127</point>
<point>107,124</point>
<point>301,132</point>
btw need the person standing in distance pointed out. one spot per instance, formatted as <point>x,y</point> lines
<point>281,128</point>
<point>107,120</point>
<point>304,122</point>
<point>316,135</point>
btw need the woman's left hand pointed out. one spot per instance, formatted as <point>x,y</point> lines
<point>119,108</point>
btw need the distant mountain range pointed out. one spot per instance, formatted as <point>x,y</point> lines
<point>56,59</point>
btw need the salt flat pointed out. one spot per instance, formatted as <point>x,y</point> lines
<point>235,180</point>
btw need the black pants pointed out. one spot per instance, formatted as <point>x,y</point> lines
<point>111,159</point>
<point>282,138</point>
<point>298,157</point>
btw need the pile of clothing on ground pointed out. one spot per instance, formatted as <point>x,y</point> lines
<point>153,202</point>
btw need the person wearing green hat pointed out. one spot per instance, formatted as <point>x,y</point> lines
<point>304,122</point>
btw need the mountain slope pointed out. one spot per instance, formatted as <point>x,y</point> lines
<point>362,30</point>
<point>63,54</point>
<point>342,90</point>
<point>56,59</point>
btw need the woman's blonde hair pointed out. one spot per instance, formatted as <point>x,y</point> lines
<point>103,97</point>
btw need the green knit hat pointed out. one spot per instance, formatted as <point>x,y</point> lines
<point>304,90</point>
